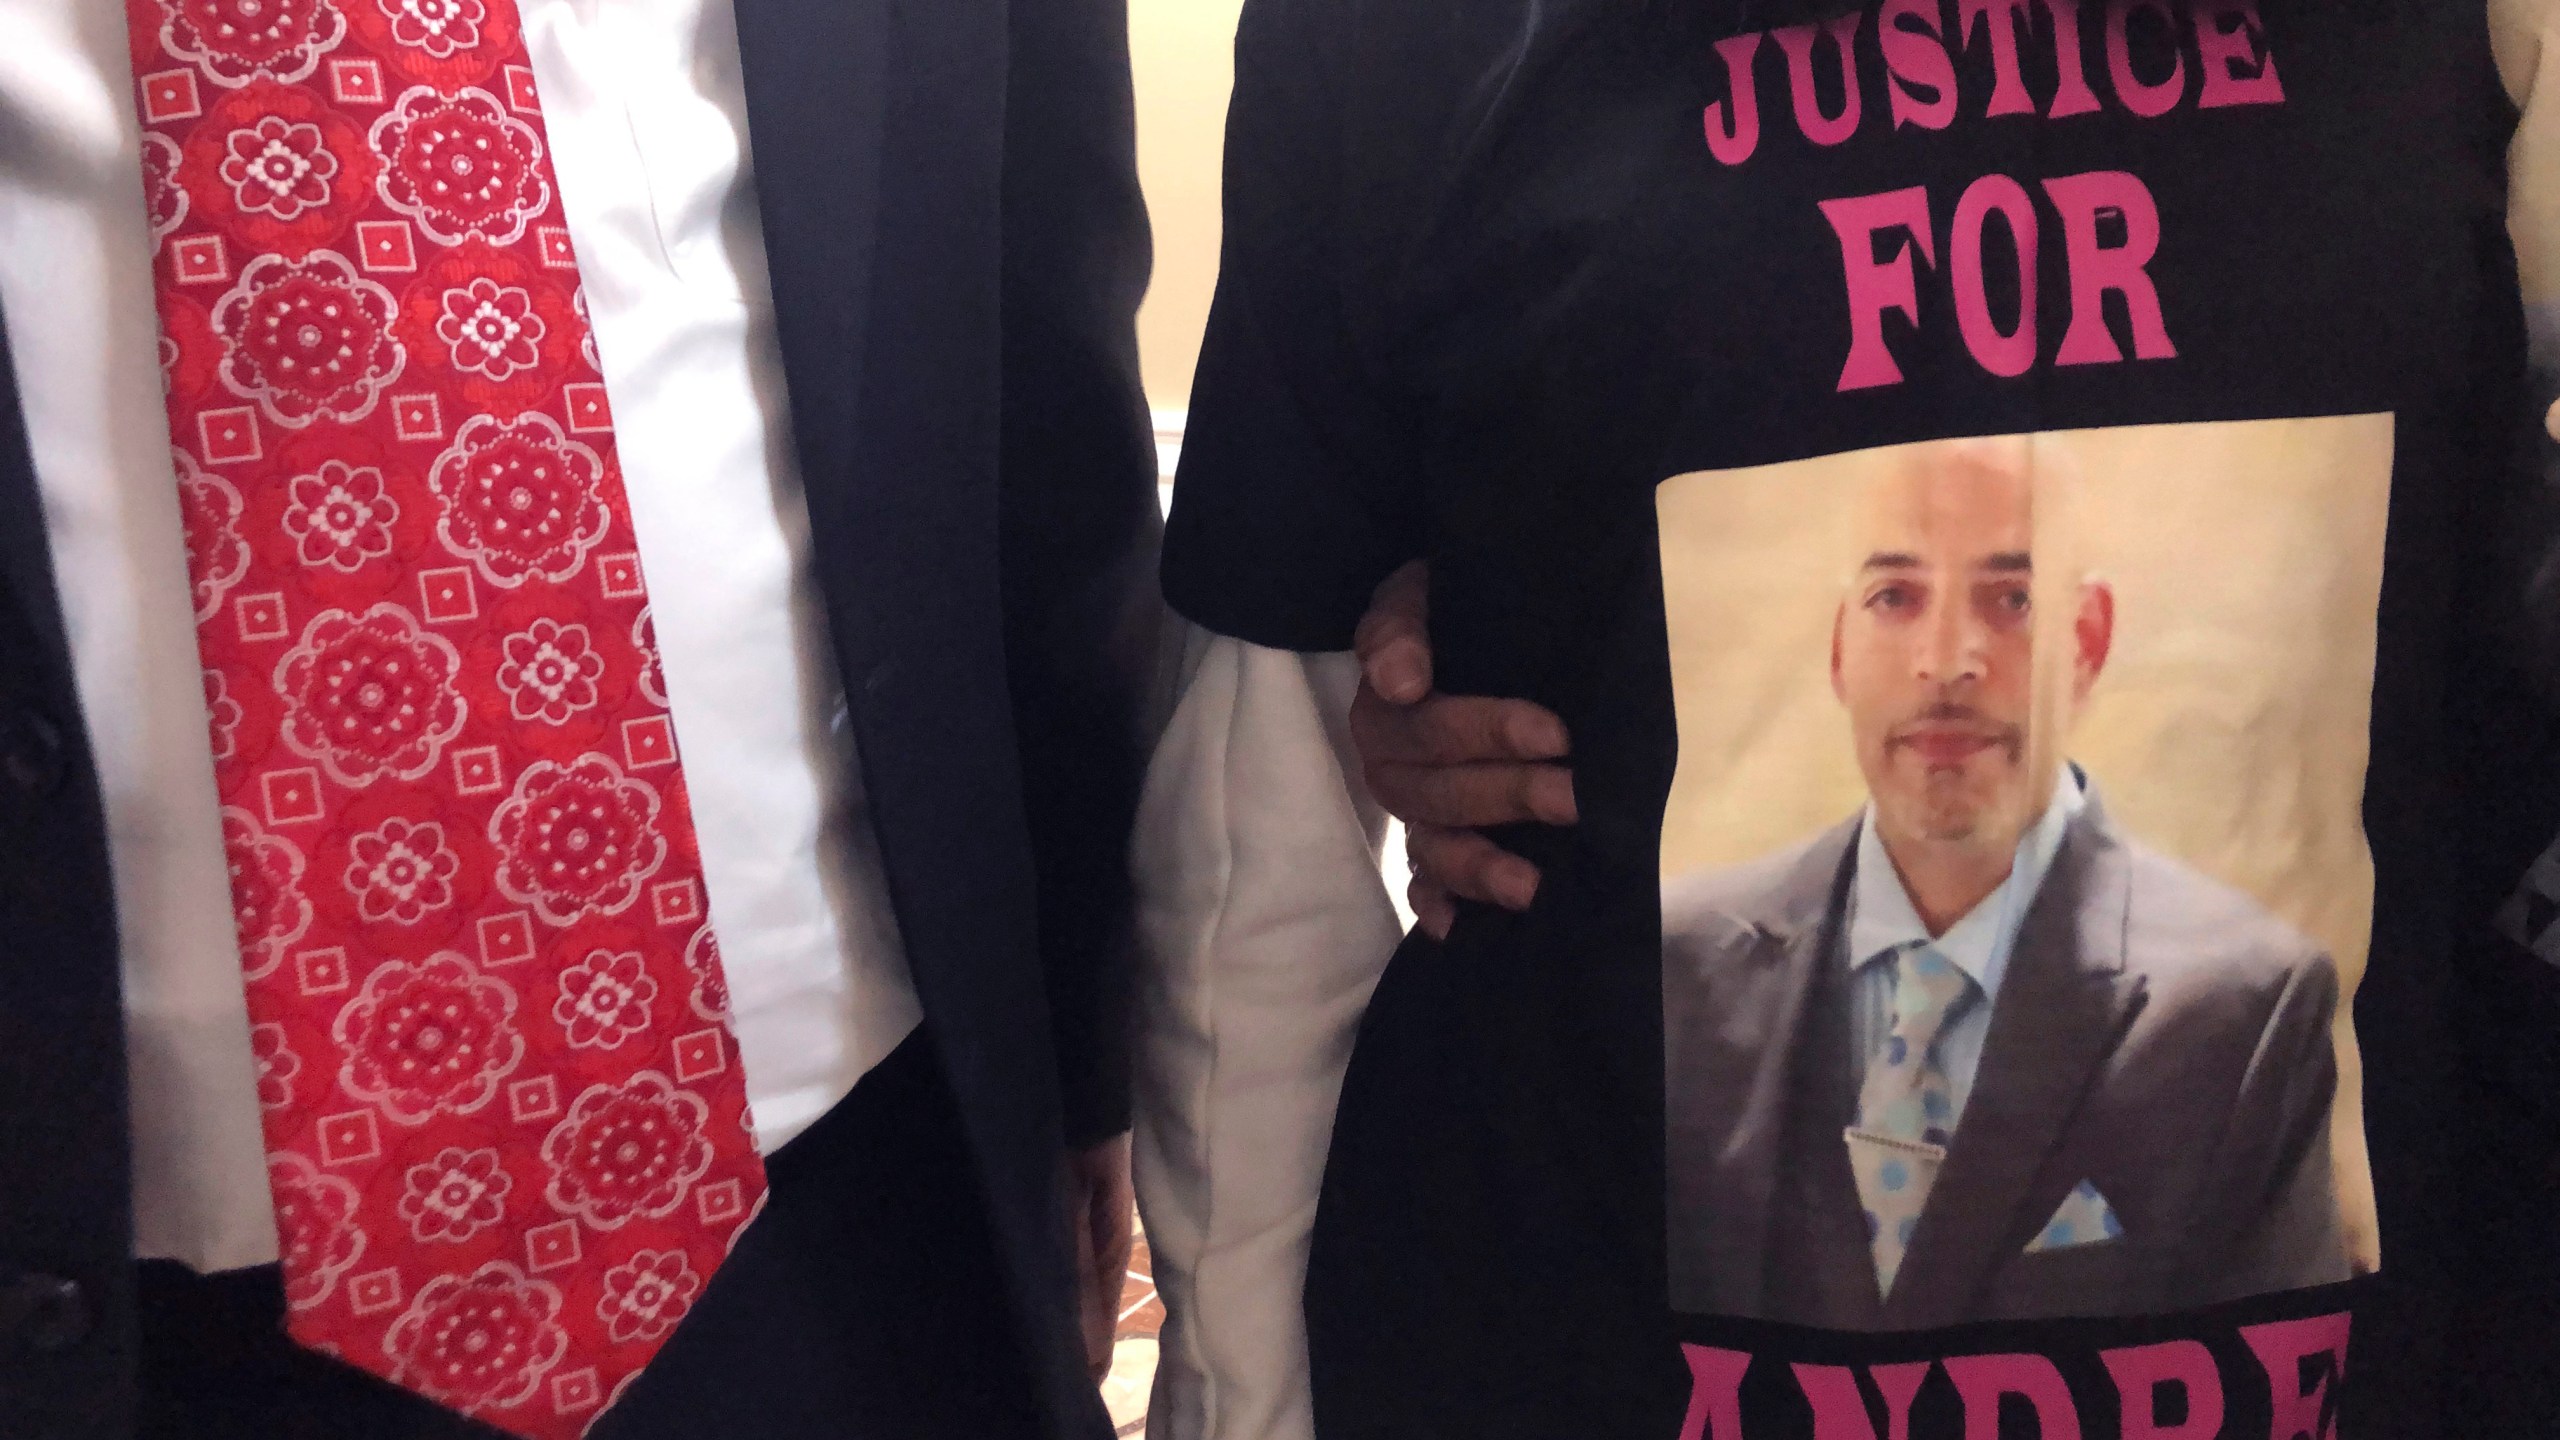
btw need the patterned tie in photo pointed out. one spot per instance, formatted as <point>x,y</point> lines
<point>1906,1110</point>
<point>506,1128</point>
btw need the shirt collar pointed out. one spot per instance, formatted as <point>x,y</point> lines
<point>1883,921</point>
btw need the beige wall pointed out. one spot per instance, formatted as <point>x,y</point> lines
<point>1182,51</point>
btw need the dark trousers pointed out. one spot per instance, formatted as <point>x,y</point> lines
<point>865,1303</point>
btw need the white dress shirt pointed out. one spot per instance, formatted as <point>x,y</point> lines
<point>1883,923</point>
<point>647,118</point>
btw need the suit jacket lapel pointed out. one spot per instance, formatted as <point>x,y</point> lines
<point>26,568</point>
<point>2061,1011</point>
<point>878,132</point>
<point>817,104</point>
<point>1760,1028</point>
<point>1830,1276</point>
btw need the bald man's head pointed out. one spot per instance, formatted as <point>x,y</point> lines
<point>1933,651</point>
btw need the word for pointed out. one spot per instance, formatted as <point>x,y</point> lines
<point>2110,231</point>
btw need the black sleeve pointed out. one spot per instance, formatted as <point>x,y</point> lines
<point>1080,520</point>
<point>1289,508</point>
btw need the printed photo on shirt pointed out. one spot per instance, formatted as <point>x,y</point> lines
<point>2014,878</point>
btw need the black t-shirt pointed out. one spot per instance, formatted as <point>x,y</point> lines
<point>2017,502</point>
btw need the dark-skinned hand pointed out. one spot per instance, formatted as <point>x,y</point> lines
<point>1449,766</point>
<point>1103,1209</point>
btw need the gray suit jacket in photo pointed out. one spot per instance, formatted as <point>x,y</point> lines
<point>2158,1035</point>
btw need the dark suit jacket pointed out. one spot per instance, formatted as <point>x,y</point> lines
<point>2158,1034</point>
<point>958,247</point>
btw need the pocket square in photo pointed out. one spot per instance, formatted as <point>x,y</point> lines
<point>2084,1219</point>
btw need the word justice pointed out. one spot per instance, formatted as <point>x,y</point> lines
<point>2140,45</point>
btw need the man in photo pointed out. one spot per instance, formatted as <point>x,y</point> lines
<point>1974,1054</point>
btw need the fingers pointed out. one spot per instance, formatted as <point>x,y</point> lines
<point>1097,1317</point>
<point>1467,866</point>
<point>1110,1206</point>
<point>1114,1239</point>
<point>1433,910</point>
<point>1394,640</point>
<point>1101,1320</point>
<point>1101,1340</point>
<point>1468,796</point>
<point>1453,730</point>
<point>1464,760</point>
<point>1446,764</point>
<point>1102,1208</point>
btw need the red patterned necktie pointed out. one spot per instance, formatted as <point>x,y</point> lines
<point>506,1128</point>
